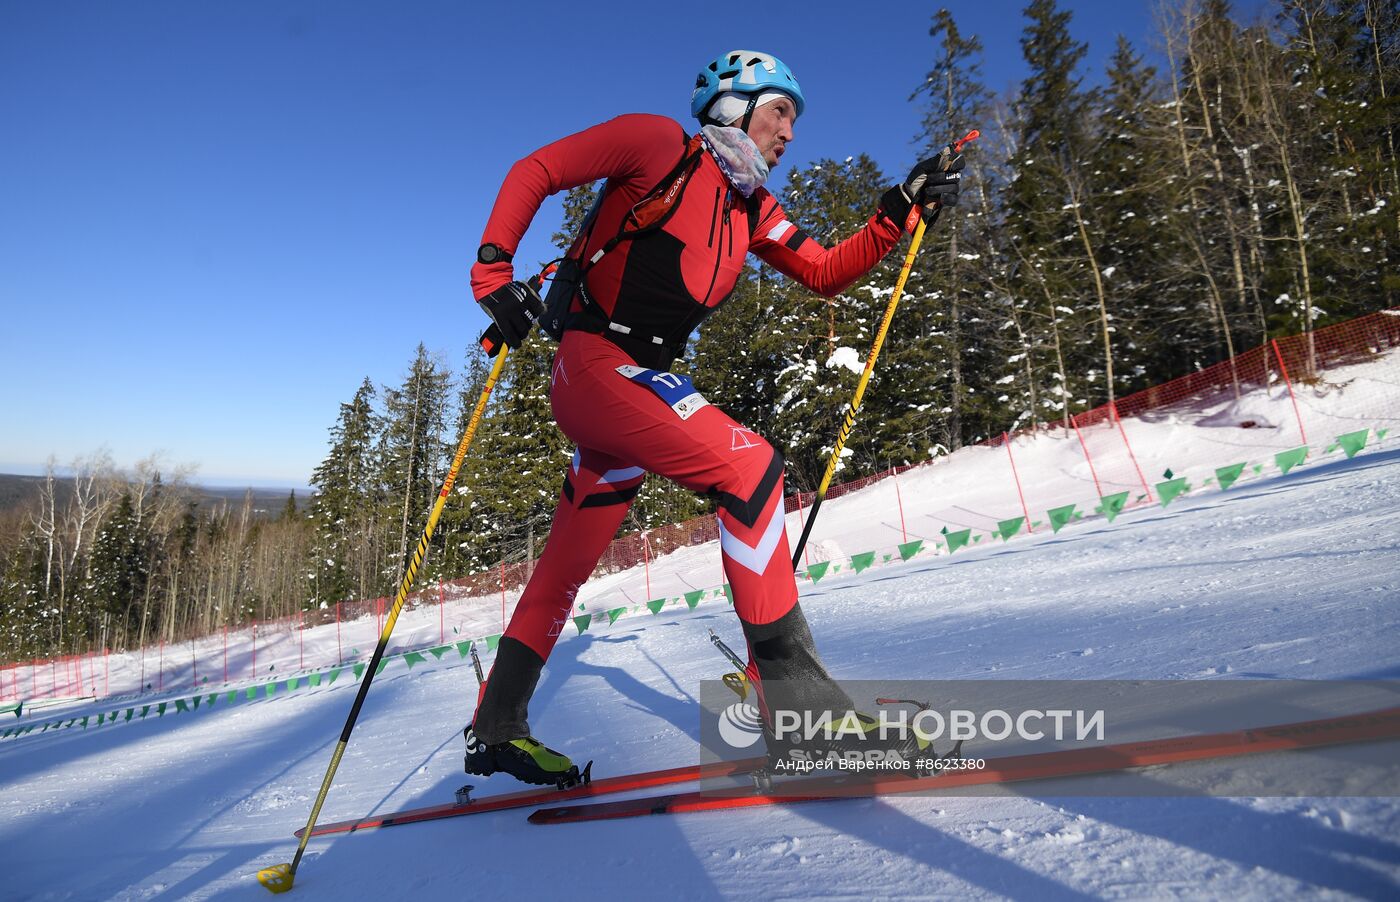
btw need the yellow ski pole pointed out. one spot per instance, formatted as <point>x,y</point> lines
<point>849,420</point>
<point>279,877</point>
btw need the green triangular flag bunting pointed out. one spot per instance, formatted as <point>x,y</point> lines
<point>1228,475</point>
<point>1112,505</point>
<point>958,539</point>
<point>863,560</point>
<point>1008,528</point>
<point>1060,516</point>
<point>439,651</point>
<point>412,658</point>
<point>656,606</point>
<point>313,681</point>
<point>1287,460</point>
<point>251,694</point>
<point>693,598</point>
<point>614,614</point>
<point>1258,468</point>
<point>464,648</point>
<point>269,689</point>
<point>581,623</point>
<point>1353,442</point>
<point>359,670</point>
<point>330,677</point>
<point>181,706</point>
<point>1171,489</point>
<point>1380,433</point>
<point>909,549</point>
<point>728,593</point>
<point>160,710</point>
<point>493,641</point>
<point>817,571</point>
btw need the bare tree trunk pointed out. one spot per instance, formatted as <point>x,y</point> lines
<point>1074,203</point>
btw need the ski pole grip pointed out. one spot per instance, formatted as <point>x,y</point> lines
<point>492,340</point>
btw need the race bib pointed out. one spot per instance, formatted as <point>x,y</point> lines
<point>676,391</point>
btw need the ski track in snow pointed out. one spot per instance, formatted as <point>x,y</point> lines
<point>1288,577</point>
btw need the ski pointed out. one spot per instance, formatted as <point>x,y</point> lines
<point>531,797</point>
<point>1371,725</point>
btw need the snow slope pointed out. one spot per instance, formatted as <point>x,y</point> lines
<point>1287,576</point>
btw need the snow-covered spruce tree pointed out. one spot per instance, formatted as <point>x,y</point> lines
<point>413,457</point>
<point>939,376</point>
<point>344,509</point>
<point>1049,120</point>
<point>1340,103</point>
<point>27,627</point>
<point>118,565</point>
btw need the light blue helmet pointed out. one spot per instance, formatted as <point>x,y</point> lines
<point>744,72</point>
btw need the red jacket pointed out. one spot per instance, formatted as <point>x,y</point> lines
<point>665,283</point>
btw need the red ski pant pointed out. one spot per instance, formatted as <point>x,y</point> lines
<point>624,429</point>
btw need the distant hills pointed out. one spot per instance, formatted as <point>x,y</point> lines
<point>20,490</point>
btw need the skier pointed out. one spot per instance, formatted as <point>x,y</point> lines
<point>661,251</point>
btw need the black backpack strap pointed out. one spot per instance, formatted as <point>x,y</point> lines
<point>753,207</point>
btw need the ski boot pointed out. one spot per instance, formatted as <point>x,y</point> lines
<point>501,705</point>
<point>526,759</point>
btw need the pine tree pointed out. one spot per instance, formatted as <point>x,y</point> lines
<point>947,308</point>
<point>118,563</point>
<point>1050,131</point>
<point>346,504</point>
<point>412,454</point>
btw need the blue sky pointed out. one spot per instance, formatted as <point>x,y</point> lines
<point>217,218</point>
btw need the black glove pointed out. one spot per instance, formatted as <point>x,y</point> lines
<point>514,307</point>
<point>931,184</point>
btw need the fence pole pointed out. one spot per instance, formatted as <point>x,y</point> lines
<point>194,665</point>
<point>1006,440</point>
<point>646,564</point>
<point>1074,421</point>
<point>160,675</point>
<point>339,656</point>
<point>143,670</point>
<point>225,653</point>
<point>106,671</point>
<point>255,648</point>
<point>903,532</point>
<point>1288,382</point>
<point>1113,410</point>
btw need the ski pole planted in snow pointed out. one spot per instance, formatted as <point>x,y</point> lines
<point>279,877</point>
<point>849,420</point>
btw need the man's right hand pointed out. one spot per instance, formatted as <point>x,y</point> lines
<point>515,307</point>
<point>932,183</point>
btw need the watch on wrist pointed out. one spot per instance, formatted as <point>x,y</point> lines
<point>491,253</point>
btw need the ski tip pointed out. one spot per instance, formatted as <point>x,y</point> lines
<point>549,815</point>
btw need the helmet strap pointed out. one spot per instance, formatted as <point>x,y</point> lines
<point>748,113</point>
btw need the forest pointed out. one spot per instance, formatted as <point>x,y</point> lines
<point>1116,229</point>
